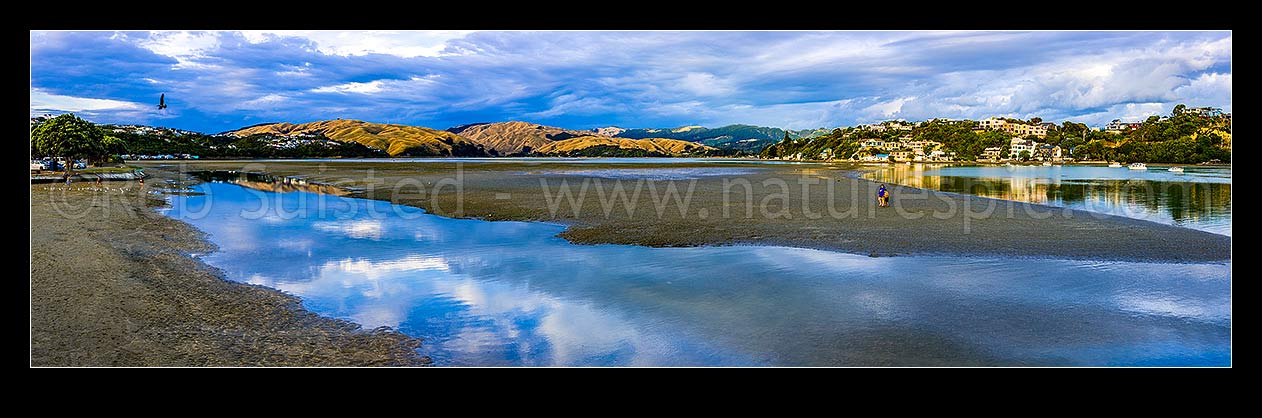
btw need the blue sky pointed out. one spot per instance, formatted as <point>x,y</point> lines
<point>217,81</point>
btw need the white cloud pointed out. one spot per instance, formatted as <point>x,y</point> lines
<point>571,104</point>
<point>186,47</point>
<point>265,102</point>
<point>405,44</point>
<point>413,86</point>
<point>361,88</point>
<point>653,79</point>
<point>705,84</point>
<point>888,109</point>
<point>1138,111</point>
<point>45,101</point>
<point>1206,88</point>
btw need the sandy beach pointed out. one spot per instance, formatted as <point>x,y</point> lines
<point>116,287</point>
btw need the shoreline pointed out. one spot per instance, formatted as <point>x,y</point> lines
<point>148,300</point>
<point>120,286</point>
<point>1094,236</point>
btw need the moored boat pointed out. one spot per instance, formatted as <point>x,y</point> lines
<point>1139,166</point>
<point>1176,169</point>
<point>1115,165</point>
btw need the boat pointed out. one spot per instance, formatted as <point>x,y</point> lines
<point>1115,165</point>
<point>1176,169</point>
<point>1139,166</point>
<point>1047,164</point>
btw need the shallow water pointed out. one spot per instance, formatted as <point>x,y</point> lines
<point>511,293</point>
<point>1200,198</point>
<point>656,173</point>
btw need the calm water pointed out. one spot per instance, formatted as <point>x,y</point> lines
<point>1200,198</point>
<point>511,293</point>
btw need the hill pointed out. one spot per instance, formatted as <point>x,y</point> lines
<point>513,137</point>
<point>394,139</point>
<point>591,145</point>
<point>733,137</point>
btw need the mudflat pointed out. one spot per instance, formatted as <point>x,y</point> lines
<point>821,206</point>
<point>113,284</point>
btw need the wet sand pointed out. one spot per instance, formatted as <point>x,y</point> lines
<point>116,287</point>
<point>845,218</point>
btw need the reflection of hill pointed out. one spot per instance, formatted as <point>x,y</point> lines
<point>286,184</point>
<point>269,183</point>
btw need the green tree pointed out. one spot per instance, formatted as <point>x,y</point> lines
<point>1024,156</point>
<point>1179,109</point>
<point>1036,120</point>
<point>110,146</point>
<point>70,137</point>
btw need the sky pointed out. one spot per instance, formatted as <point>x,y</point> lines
<point>220,81</point>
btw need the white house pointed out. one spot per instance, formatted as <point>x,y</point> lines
<point>992,153</point>
<point>1019,145</point>
<point>873,143</point>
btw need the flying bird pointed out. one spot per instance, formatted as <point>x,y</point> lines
<point>162,101</point>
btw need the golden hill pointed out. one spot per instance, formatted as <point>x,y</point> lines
<point>394,139</point>
<point>661,146</point>
<point>510,137</point>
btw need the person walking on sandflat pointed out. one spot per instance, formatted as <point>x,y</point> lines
<point>882,197</point>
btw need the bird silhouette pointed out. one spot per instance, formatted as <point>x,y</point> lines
<point>162,101</point>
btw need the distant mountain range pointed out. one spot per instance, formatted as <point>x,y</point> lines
<point>732,137</point>
<point>591,145</point>
<point>394,139</point>
<point>513,137</point>
<point>483,139</point>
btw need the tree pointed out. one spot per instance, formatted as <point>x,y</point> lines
<point>786,137</point>
<point>69,137</point>
<point>1179,109</point>
<point>109,146</point>
<point>1036,120</point>
<point>1024,155</point>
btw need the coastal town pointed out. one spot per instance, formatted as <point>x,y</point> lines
<point>1009,140</point>
<point>939,140</point>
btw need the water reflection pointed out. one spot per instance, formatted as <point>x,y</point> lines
<point>267,182</point>
<point>511,293</point>
<point>1199,199</point>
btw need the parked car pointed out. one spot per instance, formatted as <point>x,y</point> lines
<point>39,165</point>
